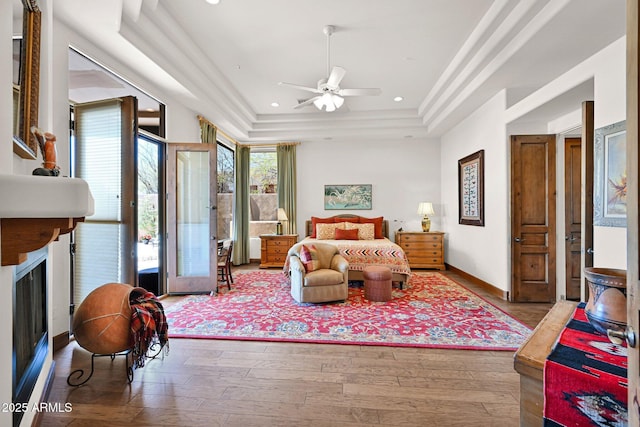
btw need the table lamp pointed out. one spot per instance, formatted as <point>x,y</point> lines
<point>425,209</point>
<point>282,216</point>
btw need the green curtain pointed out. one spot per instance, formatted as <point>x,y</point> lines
<point>241,202</point>
<point>208,133</point>
<point>287,185</point>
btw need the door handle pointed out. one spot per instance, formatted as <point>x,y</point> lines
<point>517,239</point>
<point>618,337</point>
<point>590,251</point>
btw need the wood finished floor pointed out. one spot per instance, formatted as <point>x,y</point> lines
<point>250,383</point>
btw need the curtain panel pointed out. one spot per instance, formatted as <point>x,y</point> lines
<point>286,154</point>
<point>208,133</point>
<point>241,206</point>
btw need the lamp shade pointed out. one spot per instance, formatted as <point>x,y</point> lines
<point>282,215</point>
<point>425,208</point>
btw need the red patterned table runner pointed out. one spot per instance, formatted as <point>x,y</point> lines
<point>585,378</point>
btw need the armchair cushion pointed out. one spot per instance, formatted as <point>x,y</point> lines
<point>323,277</point>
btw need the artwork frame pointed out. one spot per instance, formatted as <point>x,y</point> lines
<point>348,197</point>
<point>610,179</point>
<point>471,189</point>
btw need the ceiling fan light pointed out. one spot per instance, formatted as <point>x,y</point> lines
<point>331,107</point>
<point>338,101</point>
<point>319,103</point>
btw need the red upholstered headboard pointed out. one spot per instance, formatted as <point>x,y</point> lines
<point>309,226</point>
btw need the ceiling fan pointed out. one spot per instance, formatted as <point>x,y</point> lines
<point>329,95</point>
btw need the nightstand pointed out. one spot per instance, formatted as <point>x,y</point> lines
<point>423,249</point>
<point>274,248</point>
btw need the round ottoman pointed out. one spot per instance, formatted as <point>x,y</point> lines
<point>102,323</point>
<point>377,283</point>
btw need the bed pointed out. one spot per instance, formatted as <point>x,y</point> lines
<point>360,253</point>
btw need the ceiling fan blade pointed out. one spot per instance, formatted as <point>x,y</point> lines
<point>336,76</point>
<point>307,102</point>
<point>360,92</point>
<point>308,89</point>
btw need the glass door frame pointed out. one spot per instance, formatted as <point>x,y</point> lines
<point>196,283</point>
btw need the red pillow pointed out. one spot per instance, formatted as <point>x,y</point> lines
<point>354,219</point>
<point>346,234</point>
<point>309,258</point>
<point>377,222</point>
<point>315,220</point>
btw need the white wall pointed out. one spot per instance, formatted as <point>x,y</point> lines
<point>480,251</point>
<point>6,166</point>
<point>402,173</point>
<point>484,252</point>
<point>610,243</point>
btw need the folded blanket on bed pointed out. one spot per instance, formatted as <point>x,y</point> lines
<point>148,322</point>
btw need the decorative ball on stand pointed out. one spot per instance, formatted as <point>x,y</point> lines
<point>102,322</point>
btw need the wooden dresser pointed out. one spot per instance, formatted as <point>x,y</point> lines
<point>423,249</point>
<point>274,248</point>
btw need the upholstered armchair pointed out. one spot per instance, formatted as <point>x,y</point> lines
<point>318,273</point>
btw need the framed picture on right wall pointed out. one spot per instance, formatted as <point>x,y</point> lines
<point>471,189</point>
<point>610,176</point>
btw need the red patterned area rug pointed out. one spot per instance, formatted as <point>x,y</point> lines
<point>431,311</point>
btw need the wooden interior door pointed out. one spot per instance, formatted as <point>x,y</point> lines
<point>573,216</point>
<point>192,263</point>
<point>588,171</point>
<point>633,179</point>
<point>533,222</point>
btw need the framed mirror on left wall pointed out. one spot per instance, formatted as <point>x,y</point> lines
<point>26,80</point>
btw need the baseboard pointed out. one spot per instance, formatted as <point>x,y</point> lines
<point>60,341</point>
<point>488,287</point>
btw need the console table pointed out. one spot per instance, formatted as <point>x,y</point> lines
<point>530,357</point>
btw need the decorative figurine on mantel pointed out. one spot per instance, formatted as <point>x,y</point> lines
<point>47,143</point>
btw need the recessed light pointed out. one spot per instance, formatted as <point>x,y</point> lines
<point>275,104</point>
<point>398,98</point>
<point>213,1</point>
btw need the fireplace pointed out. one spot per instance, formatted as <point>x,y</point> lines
<point>30,338</point>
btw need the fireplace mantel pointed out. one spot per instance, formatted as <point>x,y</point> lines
<point>36,210</point>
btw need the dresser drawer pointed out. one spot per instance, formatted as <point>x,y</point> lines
<point>276,244</point>
<point>419,238</point>
<point>415,254</point>
<point>422,246</point>
<point>277,257</point>
<point>278,249</point>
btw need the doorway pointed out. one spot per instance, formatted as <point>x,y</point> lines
<point>151,208</point>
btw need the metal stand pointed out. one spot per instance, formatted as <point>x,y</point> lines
<point>154,348</point>
<point>79,373</point>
